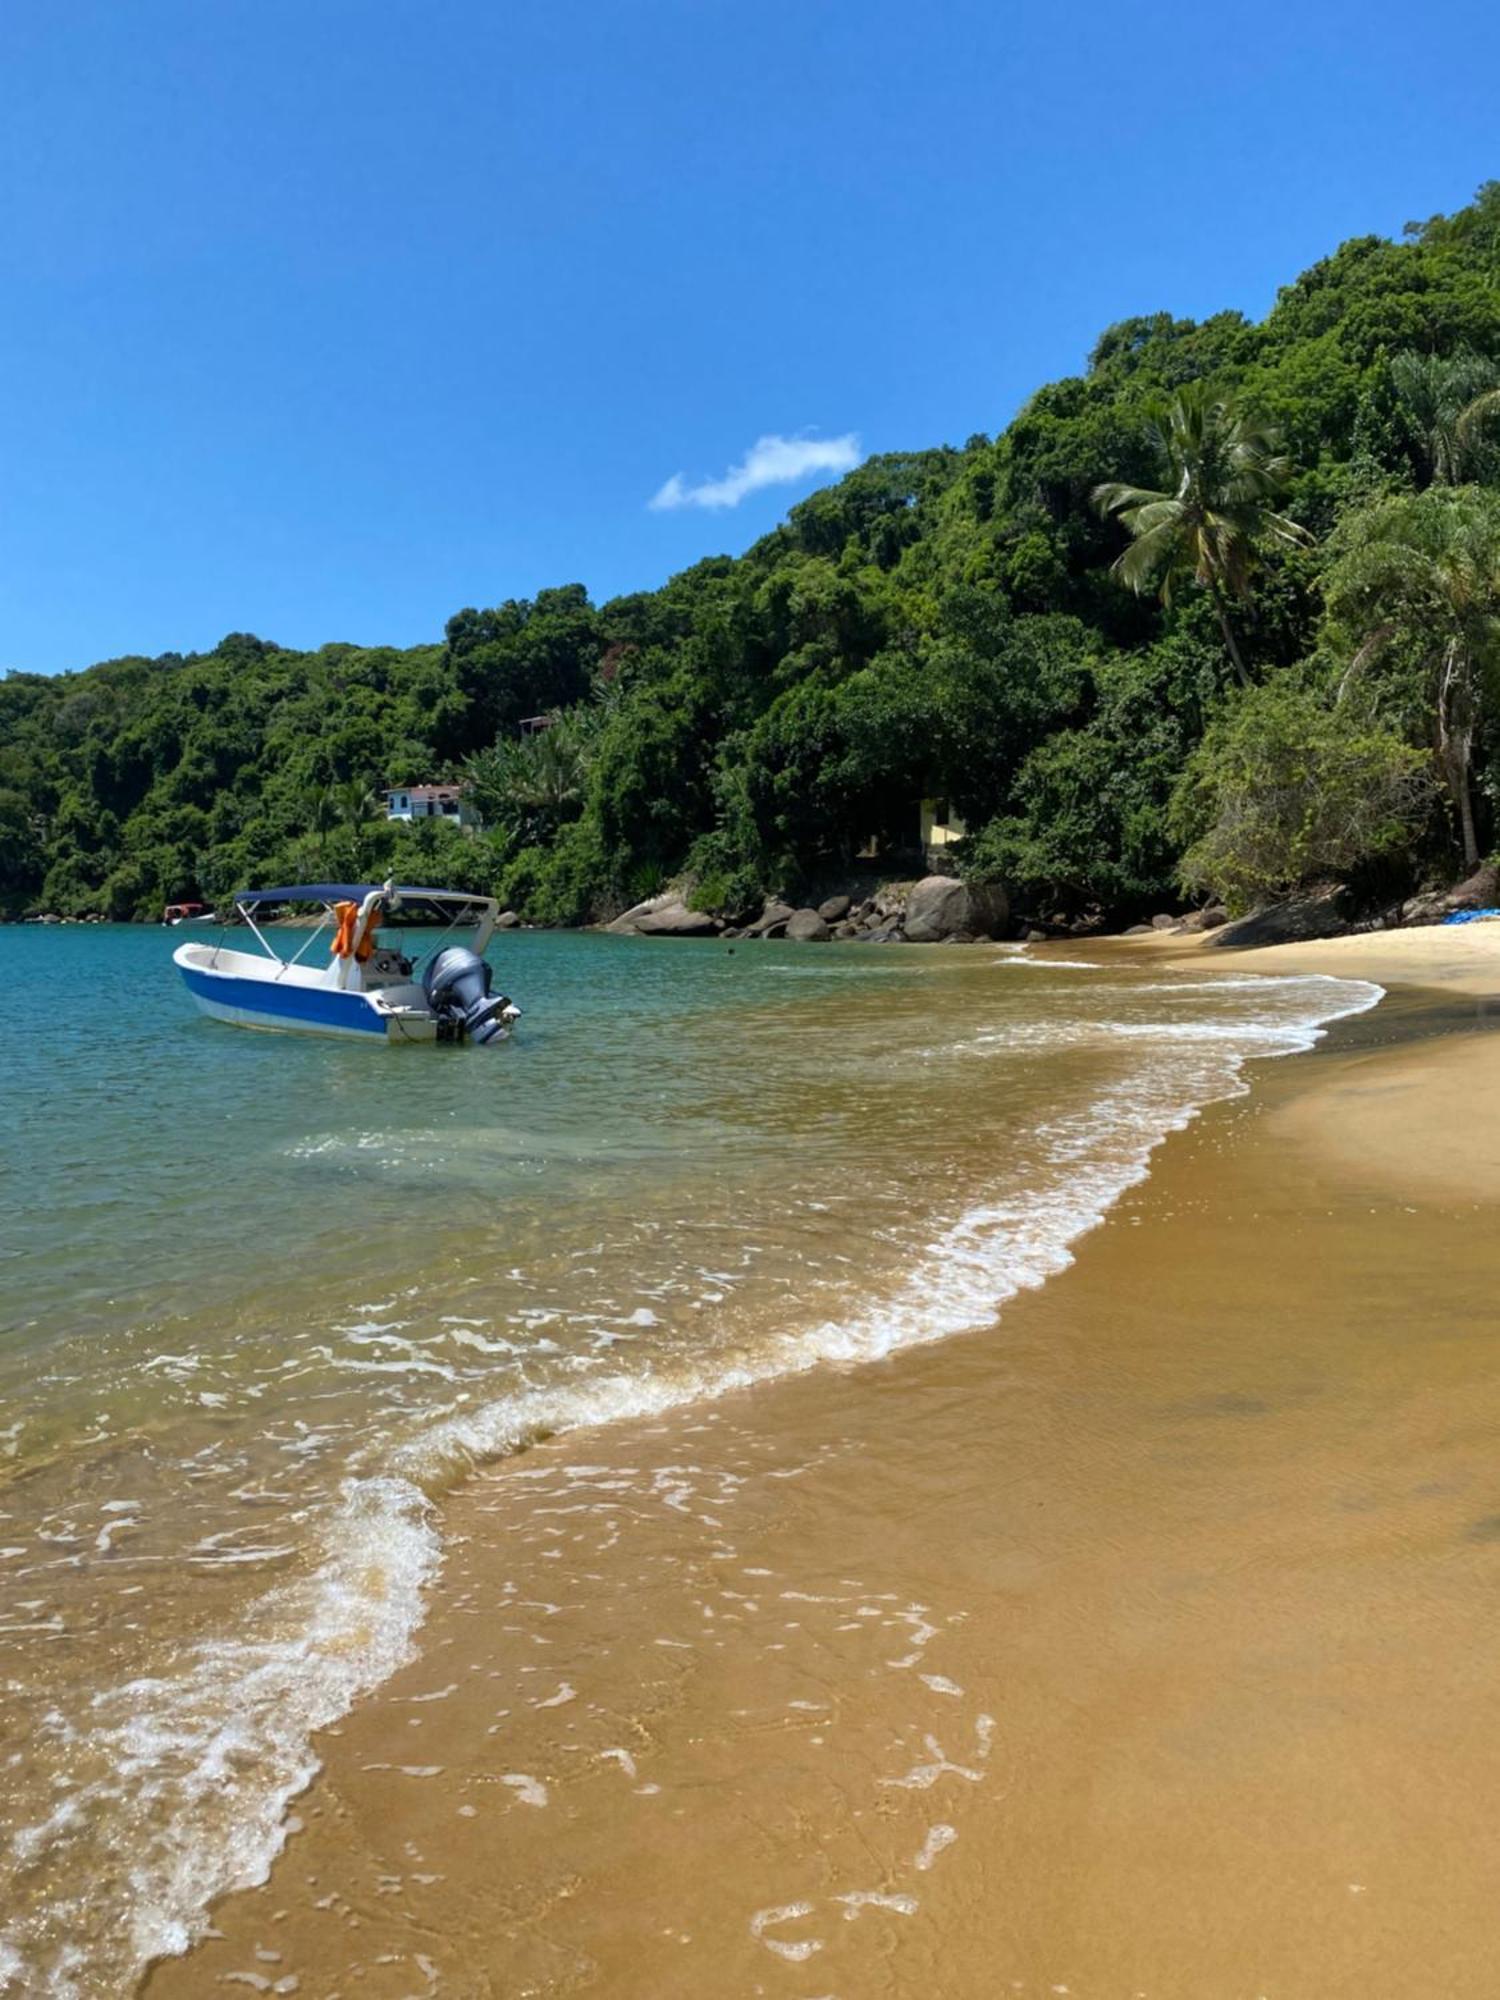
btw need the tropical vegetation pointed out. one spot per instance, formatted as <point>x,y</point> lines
<point>1217,616</point>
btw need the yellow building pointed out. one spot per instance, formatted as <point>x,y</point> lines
<point>940,830</point>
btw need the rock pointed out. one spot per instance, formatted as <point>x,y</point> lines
<point>665,916</point>
<point>776,930</point>
<point>940,905</point>
<point>507,921</point>
<point>807,927</point>
<point>1137,930</point>
<point>1480,892</point>
<point>834,910</point>
<point>846,930</point>
<point>1035,937</point>
<point>1164,923</point>
<point>774,913</point>
<point>677,920</point>
<point>628,919</point>
<point>1322,914</point>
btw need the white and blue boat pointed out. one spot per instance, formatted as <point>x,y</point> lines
<point>367,987</point>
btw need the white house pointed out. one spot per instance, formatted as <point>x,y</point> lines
<point>411,802</point>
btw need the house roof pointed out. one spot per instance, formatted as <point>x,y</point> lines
<point>427,791</point>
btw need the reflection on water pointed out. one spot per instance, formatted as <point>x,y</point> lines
<point>265,1298</point>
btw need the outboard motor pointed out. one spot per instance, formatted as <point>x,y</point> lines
<point>457,985</point>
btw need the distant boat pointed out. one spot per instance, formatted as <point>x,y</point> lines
<point>366,988</point>
<point>187,913</point>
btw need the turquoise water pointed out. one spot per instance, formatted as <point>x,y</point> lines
<point>265,1298</point>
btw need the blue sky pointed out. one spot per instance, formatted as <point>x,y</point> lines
<point>322,318</point>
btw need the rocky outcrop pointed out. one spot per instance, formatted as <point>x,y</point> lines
<point>1480,892</point>
<point>940,907</point>
<point>1324,913</point>
<point>666,916</point>
<point>772,920</point>
<point>507,921</point>
<point>936,910</point>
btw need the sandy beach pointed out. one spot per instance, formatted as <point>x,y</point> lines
<point>1139,1646</point>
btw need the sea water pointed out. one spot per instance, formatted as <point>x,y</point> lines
<point>266,1299</point>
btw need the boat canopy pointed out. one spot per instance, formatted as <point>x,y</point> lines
<point>355,892</point>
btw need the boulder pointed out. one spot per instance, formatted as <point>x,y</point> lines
<point>507,921</point>
<point>1211,919</point>
<point>807,927</point>
<point>940,905</point>
<point>666,916</point>
<point>772,919</point>
<point>1480,892</point>
<point>628,919</point>
<point>677,920</point>
<point>834,910</point>
<point>1322,914</point>
<point>1164,923</point>
<point>1137,930</point>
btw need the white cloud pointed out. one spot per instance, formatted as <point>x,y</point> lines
<point>770,461</point>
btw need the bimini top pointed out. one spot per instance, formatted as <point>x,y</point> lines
<point>354,892</point>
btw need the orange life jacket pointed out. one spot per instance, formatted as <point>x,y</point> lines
<point>343,941</point>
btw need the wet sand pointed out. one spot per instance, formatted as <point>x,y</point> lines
<point>1142,1645</point>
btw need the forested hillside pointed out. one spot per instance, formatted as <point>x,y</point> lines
<point>1292,674</point>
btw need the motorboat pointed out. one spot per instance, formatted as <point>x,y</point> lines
<point>187,913</point>
<point>368,985</point>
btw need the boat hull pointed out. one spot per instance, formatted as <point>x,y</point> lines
<point>313,1010</point>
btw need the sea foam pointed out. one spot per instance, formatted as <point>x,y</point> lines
<point>191,1771</point>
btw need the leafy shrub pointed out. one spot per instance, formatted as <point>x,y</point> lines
<point>1288,788</point>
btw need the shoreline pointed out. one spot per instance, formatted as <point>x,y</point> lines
<point>804,1472</point>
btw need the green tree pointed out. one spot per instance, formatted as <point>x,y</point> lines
<point>1413,605</point>
<point>1446,400</point>
<point>1213,517</point>
<point>1289,787</point>
<point>529,787</point>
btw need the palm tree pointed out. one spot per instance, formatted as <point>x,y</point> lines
<point>322,821</point>
<point>356,803</point>
<point>1473,418</point>
<point>1447,399</point>
<point>1415,596</point>
<point>1213,517</point>
<point>532,785</point>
